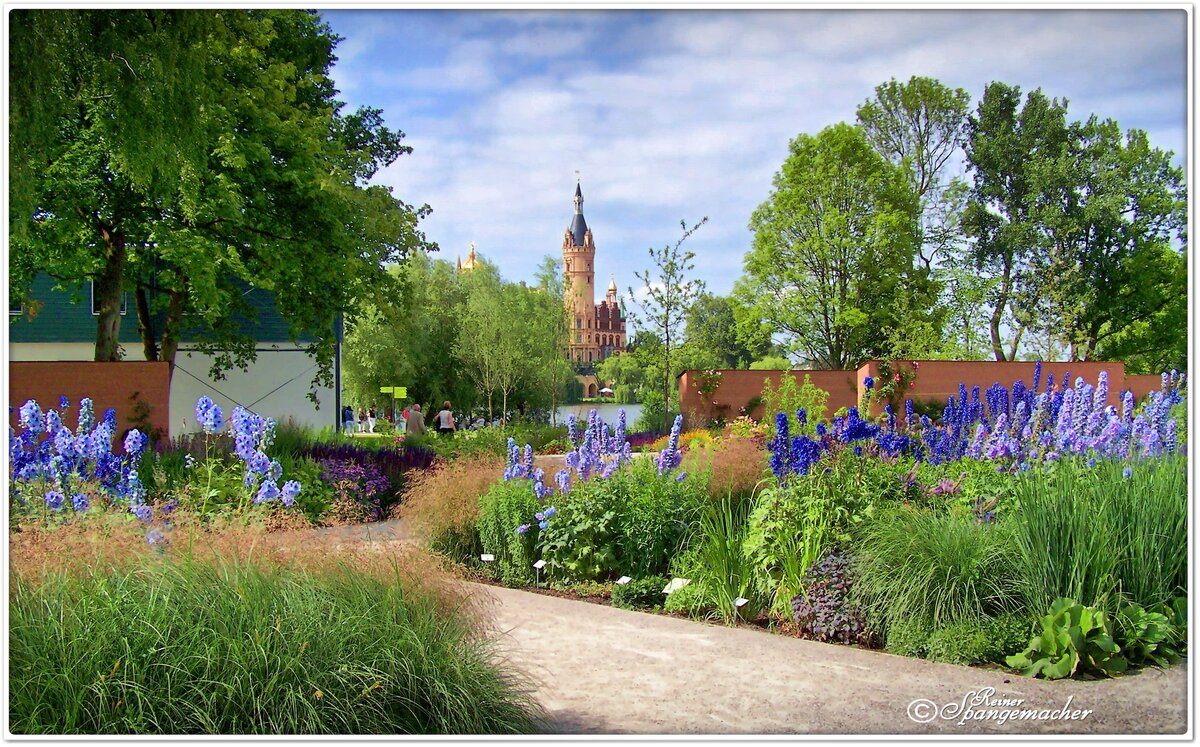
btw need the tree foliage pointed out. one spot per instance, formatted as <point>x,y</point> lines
<point>667,294</point>
<point>1078,228</point>
<point>257,179</point>
<point>832,265</point>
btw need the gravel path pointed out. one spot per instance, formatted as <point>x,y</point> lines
<point>603,670</point>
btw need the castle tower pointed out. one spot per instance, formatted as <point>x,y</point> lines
<point>597,329</point>
<point>579,254</point>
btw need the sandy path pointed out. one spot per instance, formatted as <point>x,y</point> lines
<point>599,669</point>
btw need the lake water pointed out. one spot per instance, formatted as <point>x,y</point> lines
<point>608,412</point>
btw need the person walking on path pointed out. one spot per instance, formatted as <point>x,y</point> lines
<point>348,420</point>
<point>370,420</point>
<point>362,420</point>
<point>415,423</point>
<point>445,419</point>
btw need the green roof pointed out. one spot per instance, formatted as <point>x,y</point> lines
<point>53,317</point>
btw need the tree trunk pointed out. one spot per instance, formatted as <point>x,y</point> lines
<point>146,325</point>
<point>504,401</point>
<point>171,327</point>
<point>666,381</point>
<point>1016,341</point>
<point>107,290</point>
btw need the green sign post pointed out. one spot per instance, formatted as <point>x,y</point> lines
<point>397,392</point>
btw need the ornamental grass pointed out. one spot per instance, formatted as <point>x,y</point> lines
<point>245,633</point>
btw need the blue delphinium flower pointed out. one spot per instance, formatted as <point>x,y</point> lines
<point>208,414</point>
<point>87,415</point>
<point>523,529</point>
<point>80,502</point>
<point>155,536</point>
<point>572,430</point>
<point>869,382</point>
<point>135,442</point>
<point>681,477</point>
<point>528,460</point>
<point>291,489</point>
<point>563,479</point>
<point>268,491</point>
<point>54,500</point>
<point>550,512</point>
<point>31,417</point>
<point>143,512</point>
<point>63,402</point>
<point>543,524</point>
<point>1127,472</point>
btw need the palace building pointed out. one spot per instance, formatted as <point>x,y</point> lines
<point>597,329</point>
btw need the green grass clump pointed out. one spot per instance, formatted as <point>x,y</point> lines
<point>233,647</point>
<point>940,568</point>
<point>1094,535</point>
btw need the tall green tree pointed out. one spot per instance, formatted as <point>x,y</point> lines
<point>832,268</point>
<point>1009,145</point>
<point>920,125</point>
<point>667,294</point>
<point>270,190</point>
<point>1080,229</point>
<point>712,325</point>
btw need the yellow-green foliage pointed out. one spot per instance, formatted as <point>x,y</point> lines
<point>791,396</point>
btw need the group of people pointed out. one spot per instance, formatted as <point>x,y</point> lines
<point>413,420</point>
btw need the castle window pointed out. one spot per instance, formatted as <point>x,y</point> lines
<point>578,323</point>
<point>578,338</point>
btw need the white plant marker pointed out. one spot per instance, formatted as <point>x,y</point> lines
<point>623,580</point>
<point>676,584</point>
<point>740,602</point>
<point>540,564</point>
<point>487,557</point>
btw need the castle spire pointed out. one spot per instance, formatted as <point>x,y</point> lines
<point>578,224</point>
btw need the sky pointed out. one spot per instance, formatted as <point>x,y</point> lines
<point>672,116</point>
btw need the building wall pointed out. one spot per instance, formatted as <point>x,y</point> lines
<point>275,386</point>
<point>936,380</point>
<point>57,351</point>
<point>738,388</point>
<point>117,385</point>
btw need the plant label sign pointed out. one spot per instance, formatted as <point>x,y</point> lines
<point>676,584</point>
<point>740,602</point>
<point>540,564</point>
<point>487,557</point>
<point>623,580</point>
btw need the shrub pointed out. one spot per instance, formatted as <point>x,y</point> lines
<point>581,543</point>
<point>790,397</point>
<point>824,611</point>
<point>393,463</point>
<point>1071,639</point>
<point>391,654</point>
<point>640,593</point>
<point>794,525</point>
<point>1147,637</point>
<point>690,599</point>
<point>908,637</point>
<point>358,488</point>
<point>443,504</point>
<point>976,641</point>
<point>735,466</point>
<point>693,439</point>
<point>1082,532</point>
<point>502,509</point>
<point>653,512</point>
<point>941,568</point>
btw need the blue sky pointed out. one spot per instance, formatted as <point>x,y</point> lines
<point>675,115</point>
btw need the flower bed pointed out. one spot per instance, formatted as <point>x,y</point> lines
<point>1018,514</point>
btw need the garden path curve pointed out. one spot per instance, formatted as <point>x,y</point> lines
<point>598,669</point>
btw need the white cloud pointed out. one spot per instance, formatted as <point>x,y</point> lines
<point>682,114</point>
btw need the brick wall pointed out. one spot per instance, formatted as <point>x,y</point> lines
<point>108,384</point>
<point>936,380</point>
